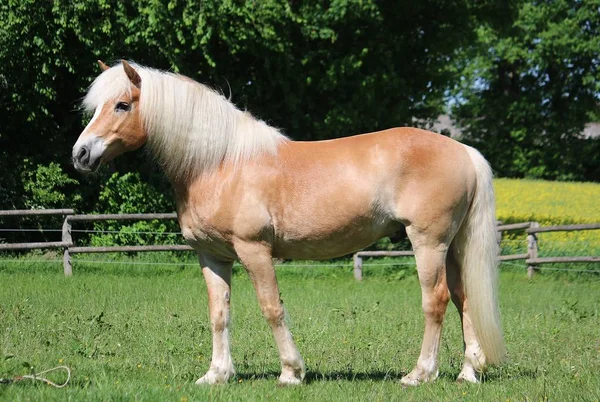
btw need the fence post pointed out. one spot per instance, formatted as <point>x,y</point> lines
<point>68,240</point>
<point>499,232</point>
<point>357,267</point>
<point>532,248</point>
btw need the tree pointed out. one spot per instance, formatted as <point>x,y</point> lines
<point>529,85</point>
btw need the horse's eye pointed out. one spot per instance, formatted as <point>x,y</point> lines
<point>122,107</point>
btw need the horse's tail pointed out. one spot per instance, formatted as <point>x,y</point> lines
<point>476,249</point>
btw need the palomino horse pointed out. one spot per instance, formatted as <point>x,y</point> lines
<point>246,192</point>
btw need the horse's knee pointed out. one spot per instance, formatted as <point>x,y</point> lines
<point>219,310</point>
<point>272,312</point>
<point>434,304</point>
<point>219,321</point>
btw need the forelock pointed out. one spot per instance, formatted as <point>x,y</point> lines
<point>109,85</point>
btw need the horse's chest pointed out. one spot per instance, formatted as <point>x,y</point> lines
<point>206,238</point>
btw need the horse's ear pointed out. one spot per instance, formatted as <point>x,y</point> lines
<point>103,66</point>
<point>133,76</point>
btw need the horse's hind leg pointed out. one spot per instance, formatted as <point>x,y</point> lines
<point>474,362</point>
<point>259,264</point>
<point>218,282</point>
<point>431,267</point>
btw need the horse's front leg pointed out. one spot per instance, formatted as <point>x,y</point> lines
<point>258,262</point>
<point>218,282</point>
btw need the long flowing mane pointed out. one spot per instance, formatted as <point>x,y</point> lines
<point>191,128</point>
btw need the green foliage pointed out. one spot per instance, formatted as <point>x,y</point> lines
<point>529,86</point>
<point>47,187</point>
<point>128,194</point>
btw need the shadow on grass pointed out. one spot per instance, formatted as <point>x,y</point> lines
<point>511,372</point>
<point>496,376</point>
<point>313,376</point>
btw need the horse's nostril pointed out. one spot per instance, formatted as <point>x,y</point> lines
<point>83,154</point>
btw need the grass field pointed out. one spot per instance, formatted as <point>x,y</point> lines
<point>142,333</point>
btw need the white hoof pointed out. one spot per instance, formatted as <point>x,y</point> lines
<point>417,377</point>
<point>289,380</point>
<point>290,376</point>
<point>215,377</point>
<point>468,374</point>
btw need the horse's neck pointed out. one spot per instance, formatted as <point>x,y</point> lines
<point>201,195</point>
<point>195,153</point>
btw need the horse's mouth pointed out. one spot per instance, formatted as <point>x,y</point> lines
<point>87,167</point>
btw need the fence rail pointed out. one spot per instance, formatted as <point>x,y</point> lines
<point>33,246</point>
<point>34,212</point>
<point>125,249</point>
<point>531,258</point>
<point>121,217</point>
<point>564,228</point>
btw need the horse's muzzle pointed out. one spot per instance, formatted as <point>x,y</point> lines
<point>87,154</point>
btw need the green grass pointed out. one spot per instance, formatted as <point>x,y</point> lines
<point>142,333</point>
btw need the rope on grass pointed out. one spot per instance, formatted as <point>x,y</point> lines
<point>38,377</point>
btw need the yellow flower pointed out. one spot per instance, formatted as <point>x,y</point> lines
<point>549,203</point>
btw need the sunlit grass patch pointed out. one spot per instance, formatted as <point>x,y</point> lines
<point>136,335</point>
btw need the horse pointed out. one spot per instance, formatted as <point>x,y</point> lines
<point>244,191</point>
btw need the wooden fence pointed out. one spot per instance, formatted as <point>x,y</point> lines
<point>531,257</point>
<point>532,229</point>
<point>68,245</point>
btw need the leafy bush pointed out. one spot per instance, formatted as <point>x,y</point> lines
<point>47,186</point>
<point>128,194</point>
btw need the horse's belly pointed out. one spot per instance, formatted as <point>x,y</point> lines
<point>319,245</point>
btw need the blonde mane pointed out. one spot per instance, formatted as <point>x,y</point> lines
<point>191,128</point>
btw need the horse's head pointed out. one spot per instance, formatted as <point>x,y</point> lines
<point>116,126</point>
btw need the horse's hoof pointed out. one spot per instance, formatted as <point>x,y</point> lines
<point>417,377</point>
<point>290,376</point>
<point>214,377</point>
<point>409,382</point>
<point>468,375</point>
<point>285,380</point>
